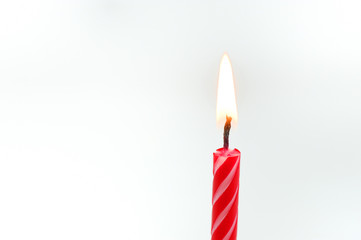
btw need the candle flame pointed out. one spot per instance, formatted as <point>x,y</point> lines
<point>226,95</point>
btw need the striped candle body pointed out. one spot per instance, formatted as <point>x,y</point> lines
<point>225,194</point>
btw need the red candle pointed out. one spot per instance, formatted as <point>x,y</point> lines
<point>226,162</point>
<point>225,194</point>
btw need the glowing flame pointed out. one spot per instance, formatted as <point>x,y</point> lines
<point>226,95</point>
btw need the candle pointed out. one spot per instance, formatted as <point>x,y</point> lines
<point>226,161</point>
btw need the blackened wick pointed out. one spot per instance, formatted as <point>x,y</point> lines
<point>227,127</point>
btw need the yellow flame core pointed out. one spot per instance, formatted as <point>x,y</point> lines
<point>226,95</point>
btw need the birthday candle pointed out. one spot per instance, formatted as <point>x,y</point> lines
<point>226,162</point>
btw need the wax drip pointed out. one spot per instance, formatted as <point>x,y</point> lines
<point>227,127</point>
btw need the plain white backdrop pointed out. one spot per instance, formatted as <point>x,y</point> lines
<point>107,118</point>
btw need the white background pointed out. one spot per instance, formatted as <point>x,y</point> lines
<point>107,118</point>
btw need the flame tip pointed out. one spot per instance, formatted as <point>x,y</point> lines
<point>225,54</point>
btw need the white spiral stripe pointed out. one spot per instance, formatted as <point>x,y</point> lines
<point>224,213</point>
<point>224,185</point>
<point>229,234</point>
<point>219,163</point>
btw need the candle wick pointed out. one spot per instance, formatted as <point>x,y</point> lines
<point>227,128</point>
